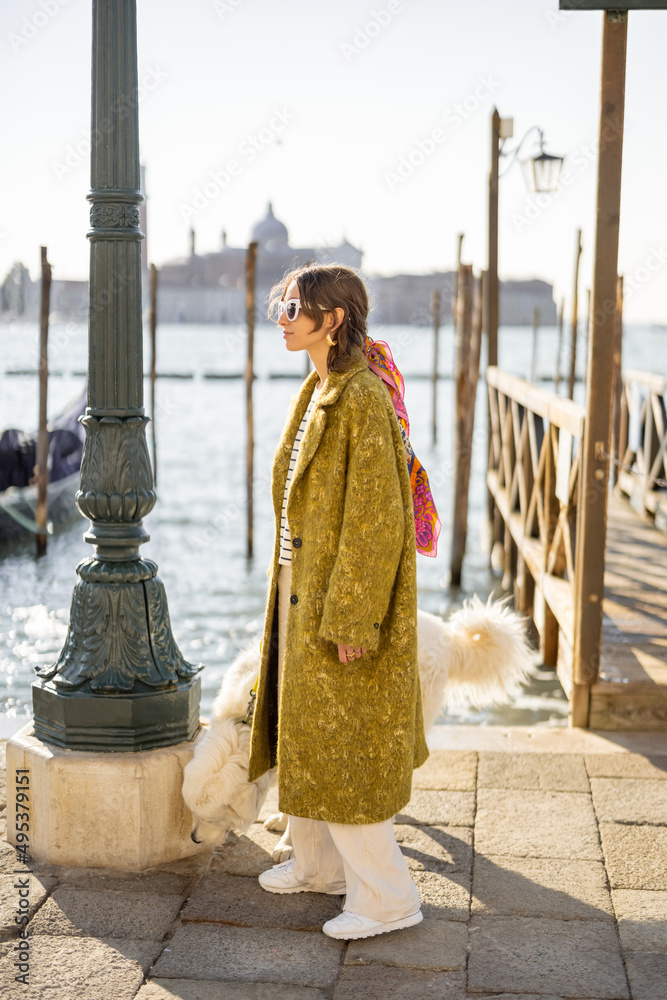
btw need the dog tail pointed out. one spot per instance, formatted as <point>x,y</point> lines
<point>490,654</point>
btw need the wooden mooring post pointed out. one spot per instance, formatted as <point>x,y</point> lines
<point>616,455</point>
<point>533,356</point>
<point>436,303</point>
<point>462,446</point>
<point>559,348</point>
<point>459,250</point>
<point>475,355</point>
<point>596,443</point>
<point>153,330</point>
<point>250,267</point>
<point>575,320</point>
<point>42,456</point>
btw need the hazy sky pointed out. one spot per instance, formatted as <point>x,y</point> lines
<point>317,103</point>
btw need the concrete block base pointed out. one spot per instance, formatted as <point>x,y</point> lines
<point>109,810</point>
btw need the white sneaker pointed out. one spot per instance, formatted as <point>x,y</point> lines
<point>281,878</point>
<point>348,926</point>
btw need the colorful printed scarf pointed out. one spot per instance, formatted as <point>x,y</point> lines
<point>427,523</point>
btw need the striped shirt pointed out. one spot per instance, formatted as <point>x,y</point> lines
<point>285,536</point>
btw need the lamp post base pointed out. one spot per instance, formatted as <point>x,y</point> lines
<point>144,719</point>
<point>110,810</point>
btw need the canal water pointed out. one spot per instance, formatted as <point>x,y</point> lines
<point>216,595</point>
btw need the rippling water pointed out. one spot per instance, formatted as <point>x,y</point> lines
<point>216,595</point>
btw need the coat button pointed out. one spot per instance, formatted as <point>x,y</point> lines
<point>296,542</point>
<point>376,625</point>
<point>293,599</point>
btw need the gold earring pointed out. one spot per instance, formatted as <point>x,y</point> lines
<point>330,342</point>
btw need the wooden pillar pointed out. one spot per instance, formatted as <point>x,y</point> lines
<point>475,352</point>
<point>549,630</point>
<point>575,319</point>
<point>592,514</point>
<point>559,349</point>
<point>459,250</point>
<point>435,313</point>
<point>42,456</point>
<point>616,454</point>
<point>533,356</point>
<point>492,283</point>
<point>250,262</point>
<point>492,301</point>
<point>461,446</point>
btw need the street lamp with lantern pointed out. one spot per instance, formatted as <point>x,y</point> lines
<point>541,173</point>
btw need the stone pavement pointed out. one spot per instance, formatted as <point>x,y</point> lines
<point>541,860</point>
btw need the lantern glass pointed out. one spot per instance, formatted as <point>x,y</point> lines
<point>542,173</point>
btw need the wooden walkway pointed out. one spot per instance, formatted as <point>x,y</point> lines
<point>631,690</point>
<point>606,637</point>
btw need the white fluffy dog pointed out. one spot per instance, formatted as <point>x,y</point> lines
<point>480,656</point>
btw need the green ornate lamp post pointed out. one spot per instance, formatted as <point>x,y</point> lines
<point>120,682</point>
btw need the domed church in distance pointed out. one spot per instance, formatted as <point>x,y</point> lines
<point>210,287</point>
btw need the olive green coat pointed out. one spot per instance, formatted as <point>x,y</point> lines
<point>345,737</point>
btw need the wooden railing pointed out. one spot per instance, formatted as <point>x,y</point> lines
<point>641,453</point>
<point>534,479</point>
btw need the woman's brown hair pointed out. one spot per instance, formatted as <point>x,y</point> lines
<point>323,288</point>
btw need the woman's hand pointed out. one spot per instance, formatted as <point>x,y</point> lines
<point>346,654</point>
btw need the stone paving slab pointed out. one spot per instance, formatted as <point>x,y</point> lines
<point>572,958</point>
<point>79,967</point>
<point>116,880</point>
<point>200,989</point>
<point>89,913</point>
<point>444,897</point>
<point>249,854</point>
<point>631,765</point>
<point>434,944</point>
<point>9,861</point>
<point>630,800</point>
<point>642,920</point>
<point>541,887</point>
<point>539,771</point>
<point>375,982</point>
<point>539,824</point>
<point>540,901</point>
<point>635,856</point>
<point>8,858</point>
<point>232,899</point>
<point>38,888</point>
<point>436,848</point>
<point>647,975</point>
<point>249,954</point>
<point>439,809</point>
<point>447,771</point>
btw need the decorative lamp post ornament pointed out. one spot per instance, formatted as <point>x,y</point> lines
<point>120,682</point>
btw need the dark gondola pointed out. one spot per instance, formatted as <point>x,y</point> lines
<point>18,495</point>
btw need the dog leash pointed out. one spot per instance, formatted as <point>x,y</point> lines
<point>247,719</point>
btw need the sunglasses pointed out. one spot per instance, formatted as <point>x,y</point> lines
<point>291,309</point>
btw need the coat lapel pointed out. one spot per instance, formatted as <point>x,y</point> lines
<point>334,385</point>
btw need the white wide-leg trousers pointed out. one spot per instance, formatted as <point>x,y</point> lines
<point>363,857</point>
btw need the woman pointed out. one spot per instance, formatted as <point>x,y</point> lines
<point>339,704</point>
